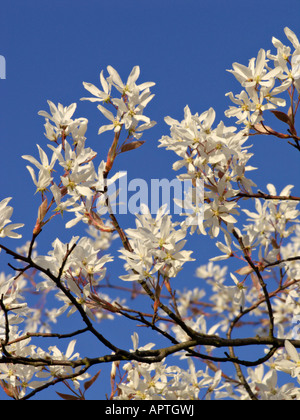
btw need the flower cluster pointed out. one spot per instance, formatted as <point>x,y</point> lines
<point>227,299</point>
<point>82,186</point>
<point>11,300</point>
<point>19,379</point>
<point>161,382</point>
<point>274,220</point>
<point>157,247</point>
<point>83,269</point>
<point>63,123</point>
<point>216,157</point>
<point>129,109</point>
<point>263,82</point>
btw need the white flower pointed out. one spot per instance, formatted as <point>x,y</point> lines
<point>6,227</point>
<point>292,37</point>
<point>100,96</point>
<point>242,111</point>
<point>291,365</point>
<point>255,73</point>
<point>217,212</point>
<point>116,121</point>
<point>64,124</point>
<point>296,66</point>
<point>79,181</point>
<point>57,371</point>
<point>43,181</point>
<point>226,249</point>
<point>129,108</point>
<point>61,115</point>
<point>139,263</point>
<point>239,294</point>
<point>157,246</point>
<point>44,160</point>
<point>267,386</point>
<point>296,70</point>
<point>52,133</point>
<point>130,85</point>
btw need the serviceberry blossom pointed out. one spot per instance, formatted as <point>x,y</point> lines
<point>217,158</point>
<point>6,227</point>
<point>161,382</point>
<point>291,364</point>
<point>128,110</point>
<point>157,247</point>
<point>246,296</point>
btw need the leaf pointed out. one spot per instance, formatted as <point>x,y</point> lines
<point>67,397</point>
<point>8,389</point>
<point>89,383</point>
<point>131,146</point>
<point>42,210</point>
<point>244,270</point>
<point>282,117</point>
<point>263,129</point>
<point>291,115</point>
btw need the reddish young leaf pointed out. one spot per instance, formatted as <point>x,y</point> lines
<point>131,146</point>
<point>68,397</point>
<point>89,383</point>
<point>291,115</point>
<point>282,117</point>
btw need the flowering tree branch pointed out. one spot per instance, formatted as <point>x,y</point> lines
<point>261,282</point>
<point>261,297</point>
<point>267,196</point>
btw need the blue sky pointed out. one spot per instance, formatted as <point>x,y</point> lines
<point>185,46</point>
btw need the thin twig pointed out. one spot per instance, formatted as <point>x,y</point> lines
<point>260,279</point>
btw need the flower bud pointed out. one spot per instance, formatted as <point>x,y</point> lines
<point>41,215</point>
